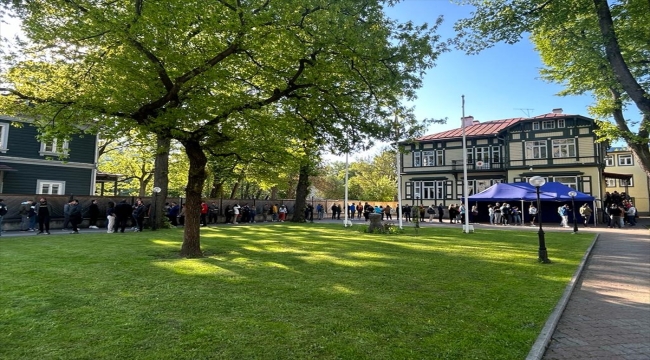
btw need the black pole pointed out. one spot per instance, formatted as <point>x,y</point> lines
<point>543,254</point>
<point>575,223</point>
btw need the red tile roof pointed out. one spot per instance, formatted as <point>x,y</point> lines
<point>480,129</point>
<point>488,127</point>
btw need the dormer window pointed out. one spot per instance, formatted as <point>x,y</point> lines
<point>54,147</point>
<point>548,125</point>
<point>535,126</point>
<point>561,123</point>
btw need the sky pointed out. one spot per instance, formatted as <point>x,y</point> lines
<point>500,82</point>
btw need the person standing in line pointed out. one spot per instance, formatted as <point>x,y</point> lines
<point>491,213</point>
<point>235,213</point>
<point>181,215</point>
<point>353,209</point>
<point>333,208</point>
<point>44,211</point>
<point>75,216</point>
<point>204,213</point>
<point>585,212</point>
<point>563,212</point>
<point>631,215</point>
<point>93,214</point>
<point>283,212</point>
<point>3,212</point>
<point>32,216</point>
<point>122,214</point>
<point>139,212</point>
<point>387,209</point>
<point>616,214</point>
<point>213,213</point>
<point>23,211</point>
<point>432,212</point>
<point>441,212</point>
<point>110,217</point>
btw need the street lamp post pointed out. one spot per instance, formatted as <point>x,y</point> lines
<point>537,182</point>
<point>573,207</point>
<point>156,190</point>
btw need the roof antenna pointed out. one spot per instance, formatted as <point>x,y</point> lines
<point>525,111</point>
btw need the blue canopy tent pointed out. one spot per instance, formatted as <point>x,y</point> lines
<point>523,191</point>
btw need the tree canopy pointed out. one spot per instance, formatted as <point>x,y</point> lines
<point>209,74</point>
<point>589,46</point>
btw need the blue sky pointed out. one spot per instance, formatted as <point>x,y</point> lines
<point>497,83</point>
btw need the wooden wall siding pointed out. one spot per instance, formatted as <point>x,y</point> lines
<point>453,154</point>
<point>516,136</point>
<point>407,159</point>
<point>586,148</point>
<point>481,142</point>
<point>454,143</point>
<point>22,142</point>
<point>516,151</point>
<point>584,131</point>
<point>549,134</point>
<point>427,146</point>
<point>23,181</point>
<point>571,160</point>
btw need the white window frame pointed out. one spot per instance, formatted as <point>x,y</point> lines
<point>609,160</point>
<point>561,123</point>
<point>4,137</point>
<point>428,158</point>
<point>563,179</point>
<point>496,154</point>
<point>54,148</point>
<point>440,159</point>
<point>564,148</point>
<point>625,160</point>
<point>624,183</point>
<point>50,183</point>
<point>536,125</point>
<point>548,125</point>
<point>417,159</point>
<point>539,145</point>
<point>610,183</point>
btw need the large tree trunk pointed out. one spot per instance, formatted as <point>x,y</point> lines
<point>217,188</point>
<point>638,143</point>
<point>274,193</point>
<point>627,81</point>
<point>302,189</point>
<point>192,235</point>
<point>160,179</point>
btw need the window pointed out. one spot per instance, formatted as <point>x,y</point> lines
<point>536,149</point>
<point>483,154</point>
<point>433,190</point>
<point>561,123</point>
<point>54,147</point>
<point>535,126</point>
<point>417,159</point>
<point>440,160</point>
<point>428,158</point>
<point>548,125</point>
<point>496,154</point>
<point>609,160</point>
<point>50,187</point>
<point>610,182</point>
<point>570,181</point>
<point>564,148</point>
<point>625,160</point>
<point>624,183</point>
<point>4,136</point>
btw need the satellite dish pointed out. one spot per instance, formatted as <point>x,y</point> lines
<point>479,163</point>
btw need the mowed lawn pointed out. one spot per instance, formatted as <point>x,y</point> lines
<point>281,291</point>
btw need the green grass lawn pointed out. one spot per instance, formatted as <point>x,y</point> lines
<point>281,291</point>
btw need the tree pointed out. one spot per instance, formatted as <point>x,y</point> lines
<point>208,74</point>
<point>588,45</point>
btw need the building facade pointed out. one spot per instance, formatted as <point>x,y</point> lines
<point>623,175</point>
<point>557,146</point>
<point>29,166</point>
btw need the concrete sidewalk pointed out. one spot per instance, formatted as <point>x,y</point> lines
<point>608,313</point>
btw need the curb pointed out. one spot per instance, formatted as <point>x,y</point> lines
<point>544,337</point>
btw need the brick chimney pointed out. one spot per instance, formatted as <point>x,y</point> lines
<point>557,111</point>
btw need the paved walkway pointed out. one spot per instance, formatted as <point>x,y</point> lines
<point>608,313</point>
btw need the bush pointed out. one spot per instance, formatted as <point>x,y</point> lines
<point>387,228</point>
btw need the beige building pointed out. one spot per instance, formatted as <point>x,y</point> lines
<point>622,174</point>
<point>559,147</point>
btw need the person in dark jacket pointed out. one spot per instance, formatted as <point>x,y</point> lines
<point>139,212</point>
<point>93,214</point>
<point>122,214</point>
<point>74,213</point>
<point>44,212</point>
<point>110,217</point>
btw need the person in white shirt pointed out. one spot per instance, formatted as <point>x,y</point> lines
<point>532,211</point>
<point>631,215</point>
<point>235,210</point>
